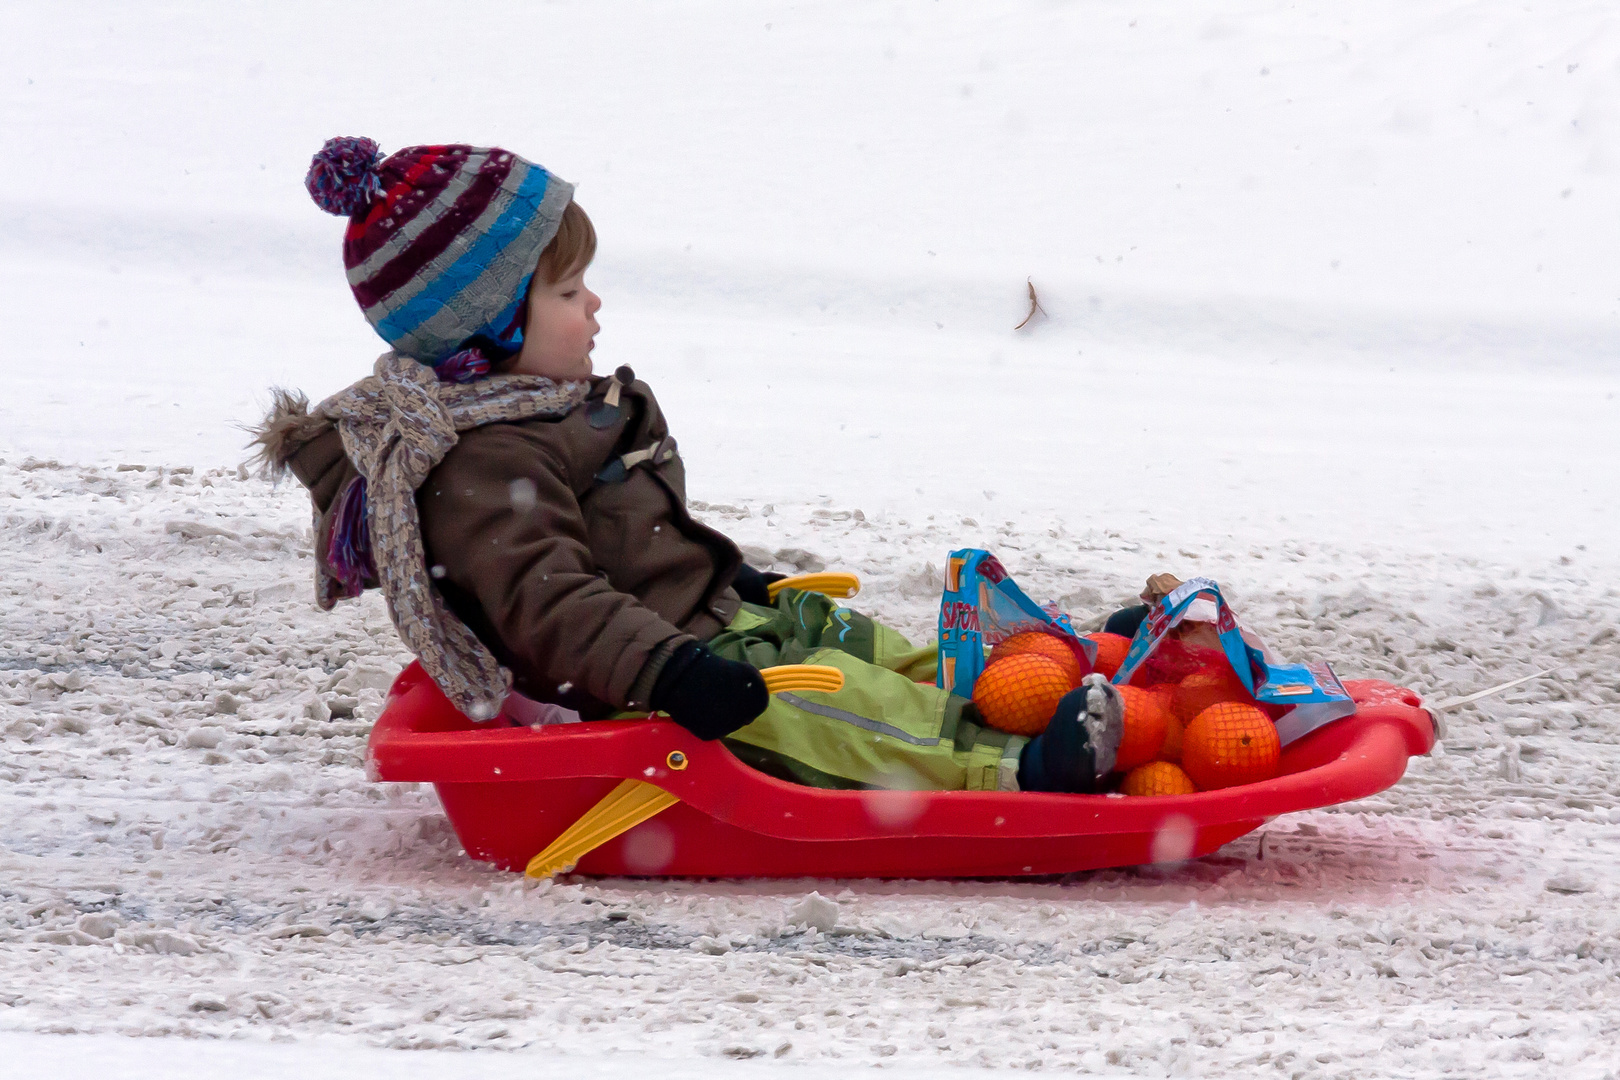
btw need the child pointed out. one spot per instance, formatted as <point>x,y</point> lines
<point>527,521</point>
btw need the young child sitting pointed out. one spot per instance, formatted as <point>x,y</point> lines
<point>526,519</point>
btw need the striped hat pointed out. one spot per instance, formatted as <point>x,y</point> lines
<point>442,240</point>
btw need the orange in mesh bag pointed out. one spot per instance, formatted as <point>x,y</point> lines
<point>1018,693</point>
<point>1040,643</point>
<point>1230,744</point>
<point>1157,778</point>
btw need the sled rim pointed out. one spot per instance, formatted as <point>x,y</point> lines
<point>1346,760</point>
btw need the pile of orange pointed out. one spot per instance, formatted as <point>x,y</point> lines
<point>1200,733</point>
<point>1210,734</point>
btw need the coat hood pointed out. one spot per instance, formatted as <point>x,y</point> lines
<point>285,432</point>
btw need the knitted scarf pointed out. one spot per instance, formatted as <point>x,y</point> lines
<point>396,425</point>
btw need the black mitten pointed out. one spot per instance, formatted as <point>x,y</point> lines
<point>706,694</point>
<point>753,585</point>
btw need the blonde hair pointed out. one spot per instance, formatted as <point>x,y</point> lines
<point>571,250</point>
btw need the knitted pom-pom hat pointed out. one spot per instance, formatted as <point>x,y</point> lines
<point>442,240</point>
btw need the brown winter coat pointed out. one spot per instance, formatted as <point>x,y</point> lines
<point>581,585</point>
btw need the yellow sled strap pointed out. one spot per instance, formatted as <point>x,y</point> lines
<point>620,810</point>
<point>634,801</point>
<point>833,583</point>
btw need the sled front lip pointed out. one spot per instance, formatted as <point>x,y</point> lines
<point>1346,760</point>
<point>1437,723</point>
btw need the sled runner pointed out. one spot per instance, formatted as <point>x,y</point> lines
<point>690,809</point>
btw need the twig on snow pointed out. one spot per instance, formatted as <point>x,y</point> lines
<point>1455,702</point>
<point>1034,305</point>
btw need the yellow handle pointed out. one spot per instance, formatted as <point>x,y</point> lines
<point>803,677</point>
<point>634,801</point>
<point>831,583</point>
<point>620,810</point>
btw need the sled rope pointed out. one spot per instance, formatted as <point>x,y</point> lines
<point>1452,703</point>
<point>832,583</point>
<point>635,801</point>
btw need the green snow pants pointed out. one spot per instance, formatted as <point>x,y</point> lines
<point>882,729</point>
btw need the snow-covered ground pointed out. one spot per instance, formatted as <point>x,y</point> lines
<point>1330,315</point>
<point>191,847</point>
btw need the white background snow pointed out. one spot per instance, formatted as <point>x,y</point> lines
<point>1330,314</point>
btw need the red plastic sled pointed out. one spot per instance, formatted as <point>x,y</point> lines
<point>509,791</point>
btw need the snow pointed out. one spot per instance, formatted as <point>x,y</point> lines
<point>1330,316</point>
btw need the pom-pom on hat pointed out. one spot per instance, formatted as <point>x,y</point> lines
<point>343,176</point>
<point>442,240</point>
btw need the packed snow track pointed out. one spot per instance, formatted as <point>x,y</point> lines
<point>189,844</point>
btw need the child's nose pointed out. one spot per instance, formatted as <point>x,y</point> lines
<point>593,303</point>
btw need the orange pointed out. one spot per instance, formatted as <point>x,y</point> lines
<point>1018,693</point>
<point>1205,687</point>
<point>1170,749</point>
<point>1173,661</point>
<point>1157,778</point>
<point>1167,692</point>
<point>1230,743</point>
<point>1111,650</point>
<point>1145,722</point>
<point>1041,643</point>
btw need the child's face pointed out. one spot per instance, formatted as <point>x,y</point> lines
<point>561,330</point>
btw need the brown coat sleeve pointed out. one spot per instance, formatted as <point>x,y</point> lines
<point>530,568</point>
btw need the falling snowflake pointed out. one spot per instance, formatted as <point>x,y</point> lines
<point>525,497</point>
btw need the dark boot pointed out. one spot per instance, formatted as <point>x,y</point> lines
<point>1125,621</point>
<point>1079,745</point>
